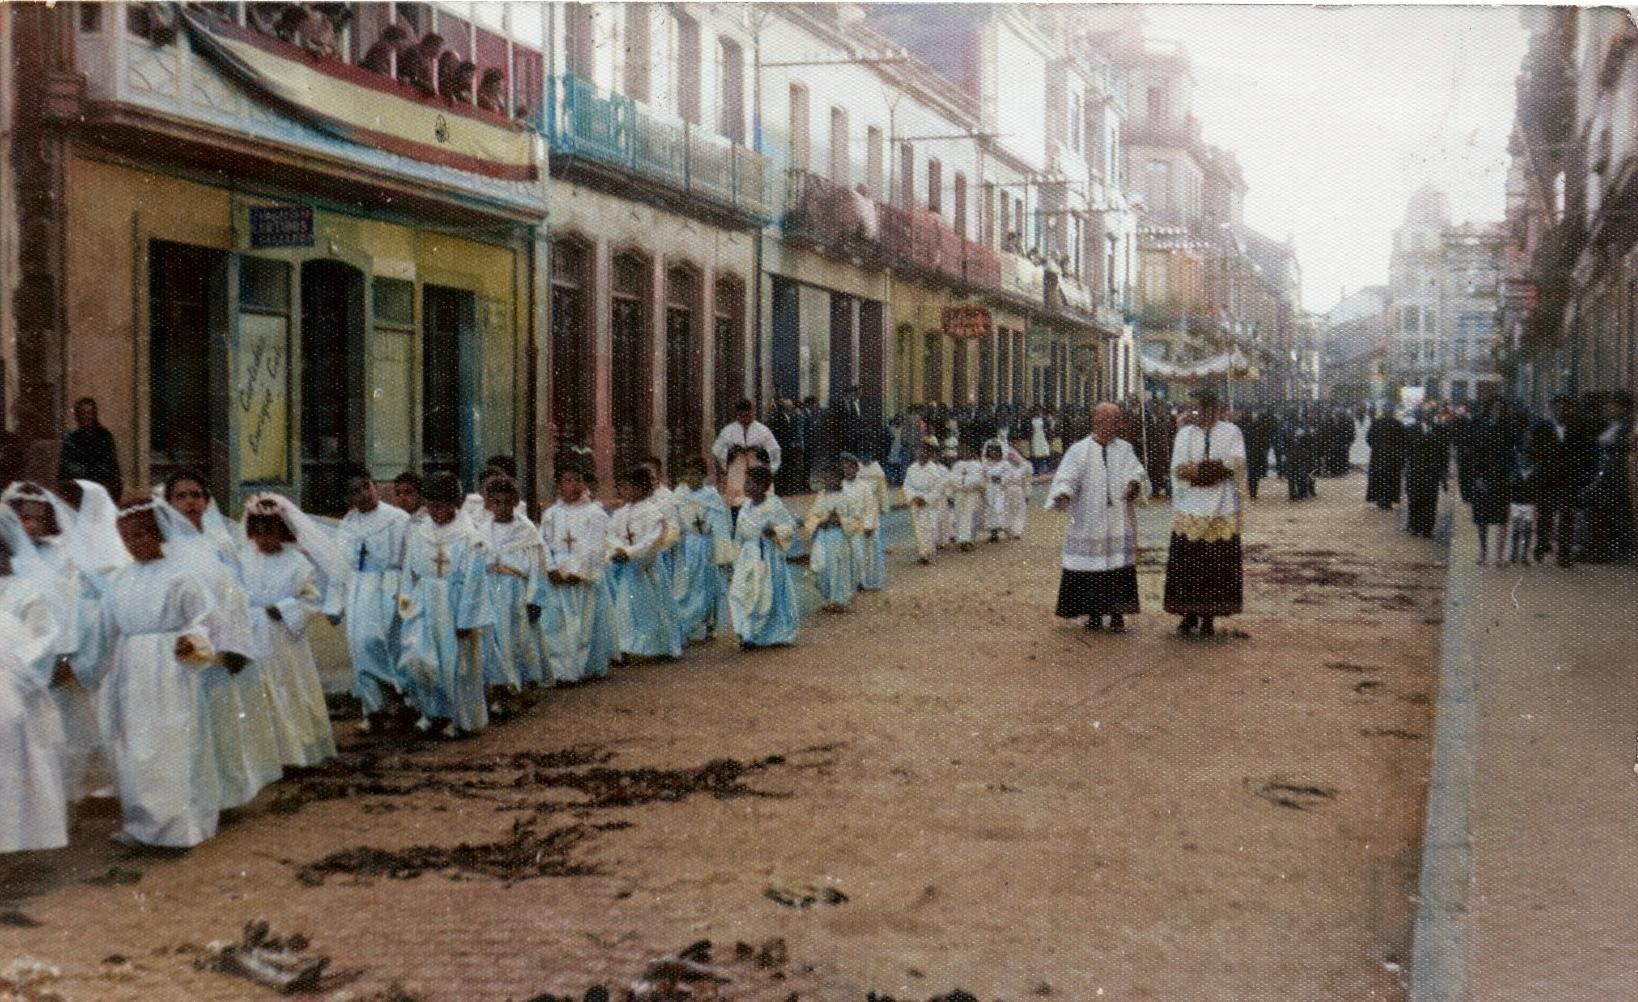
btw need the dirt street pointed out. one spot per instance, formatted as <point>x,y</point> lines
<point>944,788</point>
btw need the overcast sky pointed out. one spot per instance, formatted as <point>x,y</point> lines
<point>1338,114</point>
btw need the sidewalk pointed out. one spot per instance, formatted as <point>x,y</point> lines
<point>1530,857</point>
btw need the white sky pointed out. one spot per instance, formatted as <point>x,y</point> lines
<point>1338,114</point>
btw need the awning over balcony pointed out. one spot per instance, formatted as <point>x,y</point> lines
<point>1217,365</point>
<point>366,108</point>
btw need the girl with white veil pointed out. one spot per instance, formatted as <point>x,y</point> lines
<point>32,786</point>
<point>47,546</point>
<point>169,636</point>
<point>245,746</point>
<point>281,557</point>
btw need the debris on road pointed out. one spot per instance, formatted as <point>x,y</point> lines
<point>282,964</point>
<point>805,897</point>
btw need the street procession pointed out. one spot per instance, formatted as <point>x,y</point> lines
<point>816,502</point>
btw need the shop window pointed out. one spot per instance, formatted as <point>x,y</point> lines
<point>394,302</point>
<point>448,438</point>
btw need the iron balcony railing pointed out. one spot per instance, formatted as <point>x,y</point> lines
<point>617,132</point>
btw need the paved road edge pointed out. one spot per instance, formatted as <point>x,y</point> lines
<point>1439,944</point>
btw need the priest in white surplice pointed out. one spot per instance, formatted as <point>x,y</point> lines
<point>1099,482</point>
<point>743,443</point>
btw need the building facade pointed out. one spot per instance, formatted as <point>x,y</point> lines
<point>266,259</point>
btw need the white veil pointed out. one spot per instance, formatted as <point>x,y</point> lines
<point>312,538</point>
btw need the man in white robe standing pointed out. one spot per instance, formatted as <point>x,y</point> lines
<point>736,449</point>
<point>371,537</point>
<point>1099,483</point>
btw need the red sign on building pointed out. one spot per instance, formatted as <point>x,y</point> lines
<point>967,321</point>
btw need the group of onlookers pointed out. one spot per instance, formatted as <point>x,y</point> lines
<point>1556,481</point>
<point>421,59</point>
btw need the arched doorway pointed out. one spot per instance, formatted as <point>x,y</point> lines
<point>684,387</point>
<point>630,396</point>
<point>574,360</point>
<point>728,338</point>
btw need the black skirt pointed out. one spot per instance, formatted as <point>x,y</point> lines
<point>1203,578</point>
<point>1098,593</point>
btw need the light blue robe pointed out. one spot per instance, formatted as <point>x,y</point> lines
<point>698,584</point>
<point>443,592</point>
<point>515,572</point>
<point>645,609</point>
<point>576,620</point>
<point>373,545</point>
<point>831,549</point>
<point>762,596</point>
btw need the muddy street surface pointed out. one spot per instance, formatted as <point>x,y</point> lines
<point>945,788</point>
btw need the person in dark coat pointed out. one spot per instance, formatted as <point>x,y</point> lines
<point>89,452</point>
<point>1489,463</point>
<point>1259,434</point>
<point>1427,471</point>
<point>1386,470</point>
<point>1609,499</point>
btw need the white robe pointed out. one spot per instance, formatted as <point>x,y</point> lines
<point>76,611</point>
<point>926,488</point>
<point>373,545</point>
<point>1102,524</point>
<point>288,582</point>
<point>576,621</point>
<point>33,791</point>
<point>154,708</point>
<point>515,574</point>
<point>967,486</point>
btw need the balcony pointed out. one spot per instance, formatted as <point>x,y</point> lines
<point>1072,300</point>
<point>1022,278</point>
<point>920,240</point>
<point>981,266</point>
<point>203,89</point>
<point>827,216</point>
<point>630,143</point>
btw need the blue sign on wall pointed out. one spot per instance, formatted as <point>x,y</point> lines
<point>281,226</point>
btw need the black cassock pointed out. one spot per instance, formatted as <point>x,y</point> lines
<point>1427,467</point>
<point>1386,437</point>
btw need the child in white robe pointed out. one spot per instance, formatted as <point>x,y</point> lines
<point>168,637</point>
<point>371,540</point>
<point>33,788</point>
<point>968,483</point>
<point>830,529</point>
<point>707,542</point>
<point>48,550</point>
<point>926,488</point>
<point>639,582</point>
<point>515,573</point>
<point>246,748</point>
<point>762,596</point>
<point>282,586</point>
<point>445,608</point>
<point>576,623</point>
<point>996,470</point>
<point>1016,481</point>
<point>864,507</point>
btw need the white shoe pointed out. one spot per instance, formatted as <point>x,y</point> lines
<point>423,725</point>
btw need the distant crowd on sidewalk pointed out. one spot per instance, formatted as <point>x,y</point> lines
<point>1556,481</point>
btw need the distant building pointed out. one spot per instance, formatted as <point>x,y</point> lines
<point>1443,296</point>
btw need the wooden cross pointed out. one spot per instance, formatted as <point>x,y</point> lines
<point>568,539</point>
<point>440,562</point>
<point>363,551</point>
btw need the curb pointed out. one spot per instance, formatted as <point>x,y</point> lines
<point>1439,951</point>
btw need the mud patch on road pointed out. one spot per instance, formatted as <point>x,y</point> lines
<point>529,851</point>
<point>1296,795</point>
<point>527,854</point>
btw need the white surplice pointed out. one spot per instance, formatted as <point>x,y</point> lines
<point>33,790</point>
<point>1102,525</point>
<point>288,582</point>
